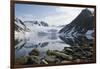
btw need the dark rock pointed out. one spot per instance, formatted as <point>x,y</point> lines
<point>34,52</point>
<point>29,60</point>
<point>68,50</point>
<point>82,23</point>
<point>36,59</point>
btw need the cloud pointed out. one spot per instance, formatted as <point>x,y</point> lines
<point>29,17</point>
<point>63,15</point>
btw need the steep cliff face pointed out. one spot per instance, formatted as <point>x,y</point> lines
<point>80,25</point>
<point>20,26</point>
<point>19,32</point>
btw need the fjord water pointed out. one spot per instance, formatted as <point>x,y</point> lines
<point>43,40</point>
<point>46,38</point>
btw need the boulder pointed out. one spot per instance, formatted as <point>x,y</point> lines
<point>59,54</point>
<point>34,52</point>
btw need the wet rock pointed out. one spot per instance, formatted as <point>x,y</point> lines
<point>36,59</point>
<point>44,44</point>
<point>30,61</point>
<point>50,58</point>
<point>64,61</point>
<point>88,49</point>
<point>68,50</point>
<point>83,57</point>
<point>79,52</point>
<point>77,60</point>
<point>59,54</point>
<point>89,54</point>
<point>57,61</point>
<point>44,61</point>
<point>21,60</point>
<point>34,52</point>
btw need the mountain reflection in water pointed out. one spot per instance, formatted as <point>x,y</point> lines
<point>23,47</point>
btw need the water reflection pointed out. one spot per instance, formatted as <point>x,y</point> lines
<point>80,40</point>
<point>50,41</point>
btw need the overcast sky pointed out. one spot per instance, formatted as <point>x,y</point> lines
<point>53,15</point>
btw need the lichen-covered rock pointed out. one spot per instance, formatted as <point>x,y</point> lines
<point>50,58</point>
<point>36,59</point>
<point>68,49</point>
<point>20,60</point>
<point>28,60</point>
<point>59,54</point>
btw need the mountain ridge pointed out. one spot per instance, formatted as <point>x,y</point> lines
<point>80,25</point>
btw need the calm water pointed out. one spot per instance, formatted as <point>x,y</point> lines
<point>44,41</point>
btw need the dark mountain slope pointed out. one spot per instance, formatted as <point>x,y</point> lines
<point>80,25</point>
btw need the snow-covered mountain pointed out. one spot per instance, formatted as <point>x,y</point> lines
<point>29,26</point>
<point>80,25</point>
<point>36,28</point>
<point>20,30</point>
<point>20,26</point>
<point>36,23</point>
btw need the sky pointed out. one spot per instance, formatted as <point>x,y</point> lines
<point>53,15</point>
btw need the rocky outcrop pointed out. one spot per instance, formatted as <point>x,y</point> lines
<point>20,26</point>
<point>80,25</point>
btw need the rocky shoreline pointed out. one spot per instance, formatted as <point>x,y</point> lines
<point>74,54</point>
